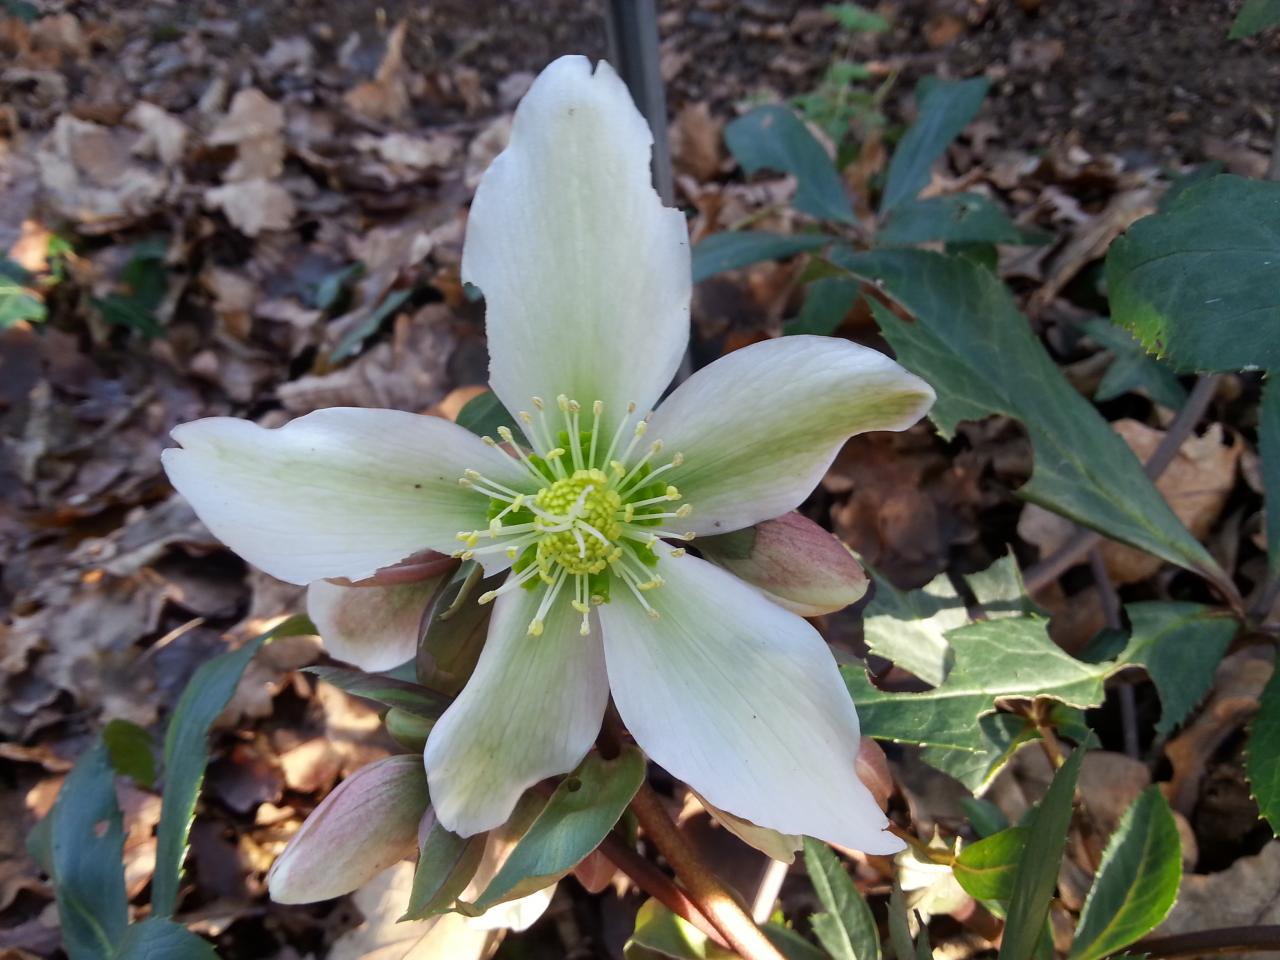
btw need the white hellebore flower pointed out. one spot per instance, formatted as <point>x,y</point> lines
<point>586,276</point>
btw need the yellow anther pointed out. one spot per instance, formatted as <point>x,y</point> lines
<point>473,539</point>
<point>512,553</point>
<point>629,513</point>
<point>464,482</point>
<point>678,552</point>
<point>538,402</point>
<point>642,428</point>
<point>505,434</point>
<point>580,606</point>
<point>488,597</point>
<point>472,474</point>
<point>688,535</point>
<point>672,493</point>
<point>654,614</point>
<point>677,460</point>
<point>563,403</point>
<point>684,511</point>
<point>574,406</point>
<point>656,446</point>
<point>489,441</point>
<point>535,628</point>
<point>554,454</point>
<point>597,408</point>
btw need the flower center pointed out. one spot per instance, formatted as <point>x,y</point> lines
<point>588,517</point>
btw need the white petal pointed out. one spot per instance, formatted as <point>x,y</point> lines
<point>531,710</point>
<point>586,275</point>
<point>741,700</point>
<point>337,493</point>
<point>759,427</point>
<point>375,628</point>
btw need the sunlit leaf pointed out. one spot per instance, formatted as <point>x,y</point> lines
<point>986,868</point>
<point>484,413</point>
<point>1137,880</point>
<point>131,750</point>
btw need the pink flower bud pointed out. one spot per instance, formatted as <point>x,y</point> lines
<point>793,561</point>
<point>368,823</point>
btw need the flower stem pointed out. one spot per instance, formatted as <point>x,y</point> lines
<point>658,885</point>
<point>711,897</point>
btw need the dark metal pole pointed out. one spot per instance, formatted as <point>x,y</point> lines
<point>633,51</point>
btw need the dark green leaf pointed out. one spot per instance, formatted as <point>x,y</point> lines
<point>1137,880</point>
<point>1269,447</point>
<point>946,107</point>
<point>985,869</point>
<point>847,930</point>
<point>957,218</point>
<point>26,12</point>
<point>1197,284</point>
<point>446,864</point>
<point>773,138</point>
<point>1263,762</point>
<point>1036,876</point>
<point>1133,368</point>
<point>1254,17</point>
<point>330,288</point>
<point>127,312</point>
<point>87,851</point>
<point>741,248</point>
<point>899,926</point>
<point>984,816</point>
<point>409,730</point>
<point>161,939</point>
<point>484,413</point>
<point>972,344</point>
<point>579,815</point>
<point>409,697</point>
<point>186,753</point>
<point>826,303</point>
<point>1179,645</point>
<point>131,750</point>
<point>456,631</point>
<point>367,327</point>
<point>1196,176</point>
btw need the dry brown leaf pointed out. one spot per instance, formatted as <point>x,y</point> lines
<point>164,136</point>
<point>386,96</point>
<point>696,141</point>
<point>1237,685</point>
<point>253,206</point>
<point>254,125</point>
<point>1246,894</point>
<point>88,176</point>
<point>1196,485</point>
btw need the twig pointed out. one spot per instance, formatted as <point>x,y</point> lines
<point>658,885</point>
<point>1111,611</point>
<point>1082,541</point>
<point>710,896</point>
<point>1198,942</point>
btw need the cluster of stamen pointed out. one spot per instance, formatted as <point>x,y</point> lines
<point>589,517</point>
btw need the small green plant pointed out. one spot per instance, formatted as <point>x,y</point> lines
<point>844,105</point>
